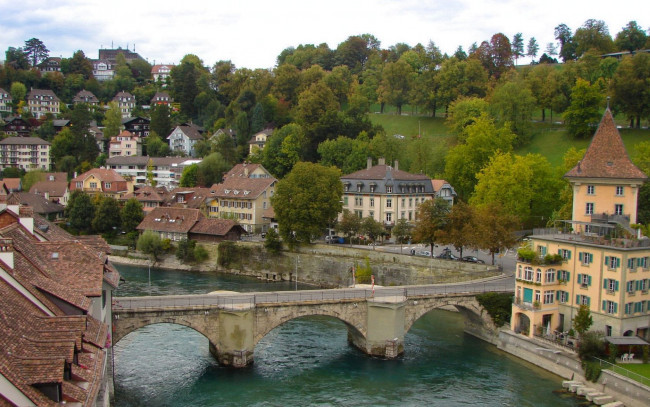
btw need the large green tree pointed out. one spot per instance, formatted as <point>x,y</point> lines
<point>306,201</point>
<point>345,153</point>
<point>107,215</point>
<point>494,228</point>
<point>211,170</point>
<point>131,215</point>
<point>112,121</point>
<point>631,37</point>
<point>593,35</point>
<point>396,83</point>
<point>80,211</point>
<point>583,114</point>
<point>517,46</point>
<point>431,221</point>
<point>631,88</point>
<point>36,51</point>
<point>284,149</point>
<point>512,102</point>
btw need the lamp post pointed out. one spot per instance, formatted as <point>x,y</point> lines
<point>297,261</point>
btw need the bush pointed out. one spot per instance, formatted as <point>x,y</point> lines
<point>527,254</point>
<point>200,254</point>
<point>228,253</point>
<point>553,259</point>
<point>592,345</point>
<point>185,250</point>
<point>150,243</point>
<point>498,305</point>
<point>272,242</point>
<point>592,371</point>
<point>362,273</point>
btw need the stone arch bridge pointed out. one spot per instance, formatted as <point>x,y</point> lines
<point>377,320</point>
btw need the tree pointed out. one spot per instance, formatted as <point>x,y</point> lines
<point>460,231</point>
<point>630,87</point>
<point>107,216</point>
<point>583,114</point>
<point>532,48</point>
<point>184,78</point>
<point>112,121</point>
<point>190,175</point>
<point>347,154</point>
<point>465,160</point>
<point>593,34</point>
<point>349,224</point>
<point>567,47</point>
<point>36,51</point>
<point>80,211</point>
<point>306,200</point>
<point>17,58</point>
<point>272,242</point>
<point>78,64</point>
<point>161,122</point>
<point>150,243</point>
<point>494,228</point>
<point>284,149</point>
<point>185,250</point>
<point>211,170</point>
<point>131,215</point>
<point>371,228</point>
<point>396,83</point>
<point>517,46</point>
<point>631,38</point>
<point>31,178</point>
<point>431,221</point>
<point>583,320</point>
<point>155,147</point>
<point>512,102</point>
<point>463,112</point>
<point>18,92</point>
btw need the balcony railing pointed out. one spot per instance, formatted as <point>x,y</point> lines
<point>528,306</point>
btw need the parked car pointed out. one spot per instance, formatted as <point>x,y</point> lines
<point>472,259</point>
<point>446,254</point>
<point>424,253</point>
<point>333,239</point>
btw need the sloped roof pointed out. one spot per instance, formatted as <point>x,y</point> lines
<point>170,219</point>
<point>12,184</point>
<point>215,227</point>
<point>36,202</point>
<point>42,92</point>
<point>84,95</point>
<point>382,171</point>
<point>24,140</point>
<point>192,132</point>
<point>606,156</point>
<point>243,170</point>
<point>241,188</point>
<point>103,174</point>
<point>53,188</point>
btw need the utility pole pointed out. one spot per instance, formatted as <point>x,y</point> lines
<point>297,261</point>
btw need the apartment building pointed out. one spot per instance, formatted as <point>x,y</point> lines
<point>43,101</point>
<point>27,153</point>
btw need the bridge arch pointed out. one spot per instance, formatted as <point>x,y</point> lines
<point>352,314</point>
<point>468,306</point>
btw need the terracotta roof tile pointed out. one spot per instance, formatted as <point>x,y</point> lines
<point>606,156</point>
<point>106,175</point>
<point>242,188</point>
<point>169,219</point>
<point>216,227</point>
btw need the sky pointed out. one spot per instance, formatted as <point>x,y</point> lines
<point>252,33</point>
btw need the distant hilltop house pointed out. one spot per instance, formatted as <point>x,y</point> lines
<point>43,101</point>
<point>104,66</point>
<point>161,72</point>
<point>184,137</point>
<point>126,103</point>
<point>161,98</point>
<point>87,97</point>
<point>387,193</point>
<point>51,64</point>
<point>258,141</point>
<point>6,102</point>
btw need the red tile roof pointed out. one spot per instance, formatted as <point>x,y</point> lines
<point>106,175</point>
<point>606,156</point>
<point>168,219</point>
<point>215,227</point>
<point>241,188</point>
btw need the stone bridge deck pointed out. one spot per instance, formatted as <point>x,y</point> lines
<point>377,320</point>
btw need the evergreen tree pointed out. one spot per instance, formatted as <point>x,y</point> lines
<point>36,51</point>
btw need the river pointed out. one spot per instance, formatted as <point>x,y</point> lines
<point>308,362</point>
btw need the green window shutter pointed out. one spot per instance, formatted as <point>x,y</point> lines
<point>630,263</point>
<point>569,254</point>
<point>588,301</point>
<point>568,275</point>
<point>618,262</point>
<point>557,276</point>
<point>606,260</point>
<point>580,256</point>
<point>577,299</point>
<point>605,283</point>
<point>588,280</point>
<point>616,285</point>
<point>637,285</point>
<point>604,305</point>
<point>557,295</point>
<point>579,278</point>
<point>638,262</point>
<point>615,308</point>
<point>591,258</point>
<point>559,251</point>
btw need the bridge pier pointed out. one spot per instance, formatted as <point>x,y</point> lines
<point>385,334</point>
<point>236,341</point>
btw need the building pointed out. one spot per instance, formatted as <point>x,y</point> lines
<point>27,153</point>
<point>138,126</point>
<point>161,72</point>
<point>183,138</point>
<point>258,141</point>
<point>125,144</point>
<point>191,197</point>
<point>166,170</point>
<point>55,313</point>
<point>161,98</point>
<point>149,197</point>
<point>244,195</point>
<point>6,103</point>
<point>596,259</point>
<point>42,101</point>
<point>87,97</point>
<point>54,188</point>
<point>385,193</point>
<point>443,189</point>
<point>103,70</point>
<point>104,67</point>
<point>101,181</point>
<point>178,224</point>
<point>17,126</point>
<point>51,64</point>
<point>39,204</point>
<point>125,102</point>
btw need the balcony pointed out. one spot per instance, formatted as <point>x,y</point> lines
<point>527,306</point>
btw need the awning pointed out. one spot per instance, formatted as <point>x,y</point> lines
<point>626,340</point>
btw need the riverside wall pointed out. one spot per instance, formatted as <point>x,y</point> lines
<point>327,265</point>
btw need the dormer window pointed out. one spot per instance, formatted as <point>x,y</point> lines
<point>389,189</point>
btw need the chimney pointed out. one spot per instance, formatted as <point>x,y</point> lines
<point>396,166</point>
<point>7,252</point>
<point>26,214</point>
<point>369,166</point>
<point>382,161</point>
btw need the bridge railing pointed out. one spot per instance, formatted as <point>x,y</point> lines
<point>251,299</point>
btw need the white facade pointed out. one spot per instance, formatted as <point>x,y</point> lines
<point>28,153</point>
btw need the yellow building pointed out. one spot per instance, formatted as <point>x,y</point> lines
<point>244,195</point>
<point>598,260</point>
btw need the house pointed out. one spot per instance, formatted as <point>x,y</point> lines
<point>13,184</point>
<point>596,259</point>
<point>258,141</point>
<point>194,197</point>
<point>103,70</point>
<point>104,67</point>
<point>51,64</point>
<point>149,197</point>
<point>228,132</point>
<point>161,72</point>
<point>178,224</point>
<point>442,189</point>
<point>6,103</point>
<point>39,204</point>
<point>98,134</point>
<point>244,195</point>
<point>138,126</point>
<point>385,193</point>
<point>54,188</point>
<point>27,153</point>
<point>17,126</point>
<point>125,102</point>
<point>183,138</point>
<point>164,169</point>
<point>43,101</point>
<point>101,181</point>
<point>87,97</point>
<point>161,98</point>
<point>60,124</point>
<point>125,144</point>
<point>55,314</point>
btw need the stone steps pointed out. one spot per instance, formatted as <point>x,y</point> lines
<point>595,396</point>
<point>602,400</point>
<point>614,404</point>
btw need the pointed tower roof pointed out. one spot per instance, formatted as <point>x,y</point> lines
<point>606,156</point>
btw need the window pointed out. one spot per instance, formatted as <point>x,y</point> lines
<point>359,187</point>
<point>582,300</point>
<point>589,209</point>
<point>612,262</point>
<point>642,285</point>
<point>584,280</point>
<point>566,254</point>
<point>93,185</point>
<point>642,262</point>
<point>548,297</point>
<point>389,189</point>
<point>345,200</point>
<point>629,308</point>
<point>538,296</point>
<point>619,190</point>
<point>389,217</point>
<point>358,201</point>
<point>618,209</point>
<point>528,274</point>
<point>389,203</point>
<point>107,185</point>
<point>610,307</point>
<point>403,202</point>
<point>372,202</point>
<point>563,275</point>
<point>610,285</point>
<point>359,214</point>
<point>591,189</point>
<point>585,258</point>
<point>562,296</point>
<point>638,306</point>
<point>371,214</point>
<point>519,272</point>
<point>631,287</point>
<point>541,250</point>
<point>79,184</point>
<point>538,276</point>
<point>550,276</point>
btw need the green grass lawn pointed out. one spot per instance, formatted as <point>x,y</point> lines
<point>639,369</point>
<point>549,140</point>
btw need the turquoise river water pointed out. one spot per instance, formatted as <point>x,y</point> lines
<point>308,362</point>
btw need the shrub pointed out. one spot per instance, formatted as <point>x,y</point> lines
<point>498,305</point>
<point>200,254</point>
<point>553,259</point>
<point>228,253</point>
<point>592,344</point>
<point>272,242</point>
<point>363,273</point>
<point>527,254</point>
<point>150,243</point>
<point>592,371</point>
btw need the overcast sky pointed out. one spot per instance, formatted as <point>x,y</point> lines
<point>251,33</point>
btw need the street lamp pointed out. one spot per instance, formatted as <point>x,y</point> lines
<point>297,261</point>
